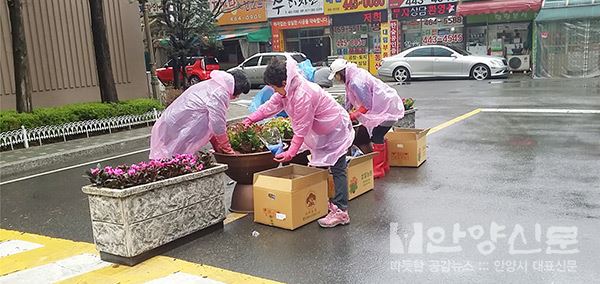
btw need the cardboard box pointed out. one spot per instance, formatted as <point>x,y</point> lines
<point>290,197</point>
<point>360,176</point>
<point>407,147</point>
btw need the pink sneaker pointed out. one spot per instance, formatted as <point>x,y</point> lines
<point>334,218</point>
<point>331,207</point>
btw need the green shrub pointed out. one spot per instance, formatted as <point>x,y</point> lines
<point>10,120</point>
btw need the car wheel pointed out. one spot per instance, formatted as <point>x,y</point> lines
<point>194,80</point>
<point>401,74</point>
<point>480,72</point>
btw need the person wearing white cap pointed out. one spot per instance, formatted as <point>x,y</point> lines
<point>376,105</point>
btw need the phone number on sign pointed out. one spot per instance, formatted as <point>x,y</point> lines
<point>451,38</point>
<point>354,4</point>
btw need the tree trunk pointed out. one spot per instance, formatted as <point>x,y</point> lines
<point>20,63</point>
<point>106,81</point>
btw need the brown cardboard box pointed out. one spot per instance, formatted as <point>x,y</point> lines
<point>290,197</point>
<point>407,147</point>
<point>360,176</point>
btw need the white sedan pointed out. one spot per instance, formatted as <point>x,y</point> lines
<point>441,61</point>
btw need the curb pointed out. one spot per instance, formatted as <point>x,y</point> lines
<point>78,155</point>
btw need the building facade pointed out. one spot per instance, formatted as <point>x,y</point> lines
<point>61,53</point>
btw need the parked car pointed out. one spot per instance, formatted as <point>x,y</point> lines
<point>255,66</point>
<point>441,61</point>
<point>197,69</point>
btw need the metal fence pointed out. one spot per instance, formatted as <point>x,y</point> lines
<point>40,134</point>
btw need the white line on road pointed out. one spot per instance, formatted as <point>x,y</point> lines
<point>542,110</point>
<point>56,271</point>
<point>180,277</point>
<point>72,167</point>
<point>16,246</point>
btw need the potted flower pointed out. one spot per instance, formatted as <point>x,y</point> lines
<point>251,156</point>
<point>138,210</point>
<point>408,121</point>
<point>284,125</point>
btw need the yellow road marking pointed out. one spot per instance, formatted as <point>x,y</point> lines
<point>453,121</point>
<point>233,217</point>
<point>55,249</point>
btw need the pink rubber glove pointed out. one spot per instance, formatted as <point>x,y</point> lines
<point>354,115</point>
<point>253,117</point>
<point>221,144</point>
<point>291,152</point>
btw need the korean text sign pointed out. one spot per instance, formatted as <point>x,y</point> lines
<point>349,6</point>
<point>287,8</point>
<point>424,11</point>
<point>241,12</point>
<point>411,3</point>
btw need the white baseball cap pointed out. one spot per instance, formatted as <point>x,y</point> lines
<point>337,66</point>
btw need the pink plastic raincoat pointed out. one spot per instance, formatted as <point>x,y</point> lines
<point>315,115</point>
<point>382,101</point>
<point>193,118</point>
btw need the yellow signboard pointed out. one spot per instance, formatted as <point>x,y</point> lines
<point>241,12</point>
<point>361,60</point>
<point>350,6</point>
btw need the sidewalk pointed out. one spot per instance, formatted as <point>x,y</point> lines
<point>49,156</point>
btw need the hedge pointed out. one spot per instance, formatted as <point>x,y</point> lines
<point>10,120</point>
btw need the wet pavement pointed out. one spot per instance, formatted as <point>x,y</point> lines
<point>507,169</point>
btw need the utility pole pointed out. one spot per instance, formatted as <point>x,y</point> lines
<point>153,79</point>
<point>106,81</point>
<point>21,65</point>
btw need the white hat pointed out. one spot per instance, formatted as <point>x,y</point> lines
<point>337,66</point>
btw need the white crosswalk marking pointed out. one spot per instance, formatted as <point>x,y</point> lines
<point>56,271</point>
<point>183,278</point>
<point>16,246</point>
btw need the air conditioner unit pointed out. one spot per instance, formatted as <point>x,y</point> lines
<point>518,62</point>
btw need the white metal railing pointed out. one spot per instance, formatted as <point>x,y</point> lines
<point>39,134</point>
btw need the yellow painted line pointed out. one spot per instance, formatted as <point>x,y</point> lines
<point>233,217</point>
<point>55,249</point>
<point>52,250</point>
<point>453,121</point>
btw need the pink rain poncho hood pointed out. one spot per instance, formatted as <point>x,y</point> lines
<point>382,101</point>
<point>193,118</point>
<point>315,115</point>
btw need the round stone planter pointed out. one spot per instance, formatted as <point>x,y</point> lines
<point>408,121</point>
<point>133,224</point>
<point>241,169</point>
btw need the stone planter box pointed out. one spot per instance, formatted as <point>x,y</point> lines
<point>133,224</point>
<point>408,121</point>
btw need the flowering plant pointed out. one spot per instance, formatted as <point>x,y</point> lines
<point>246,139</point>
<point>282,124</point>
<point>408,103</point>
<point>124,176</point>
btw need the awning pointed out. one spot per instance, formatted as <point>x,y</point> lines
<point>261,35</point>
<point>497,6</point>
<point>577,12</point>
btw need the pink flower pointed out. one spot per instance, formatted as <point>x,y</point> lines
<point>118,172</point>
<point>131,172</point>
<point>95,171</point>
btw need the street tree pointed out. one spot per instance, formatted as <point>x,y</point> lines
<point>106,81</point>
<point>22,78</point>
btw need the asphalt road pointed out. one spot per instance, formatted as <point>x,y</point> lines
<point>535,171</point>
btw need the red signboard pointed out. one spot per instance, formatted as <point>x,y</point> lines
<point>424,11</point>
<point>394,48</point>
<point>277,25</point>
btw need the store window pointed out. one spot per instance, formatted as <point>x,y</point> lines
<point>446,31</point>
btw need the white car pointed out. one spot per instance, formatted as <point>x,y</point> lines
<point>255,65</point>
<point>440,61</point>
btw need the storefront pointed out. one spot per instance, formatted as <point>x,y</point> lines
<point>427,22</point>
<point>567,40</point>
<point>358,36</point>
<point>243,31</point>
<point>501,28</point>
<point>301,26</point>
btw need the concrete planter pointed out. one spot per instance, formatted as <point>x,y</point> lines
<point>408,121</point>
<point>133,224</point>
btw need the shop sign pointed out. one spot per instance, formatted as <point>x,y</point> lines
<point>411,3</point>
<point>372,17</point>
<point>394,48</point>
<point>241,12</point>
<point>502,18</point>
<point>385,40</point>
<point>424,11</point>
<point>301,22</point>
<point>361,60</point>
<point>445,39</point>
<point>374,63</point>
<point>440,23</point>
<point>288,8</point>
<point>349,6</point>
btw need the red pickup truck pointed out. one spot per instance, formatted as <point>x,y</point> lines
<point>198,69</point>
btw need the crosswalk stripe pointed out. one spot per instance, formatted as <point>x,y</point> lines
<point>56,271</point>
<point>183,278</point>
<point>16,246</point>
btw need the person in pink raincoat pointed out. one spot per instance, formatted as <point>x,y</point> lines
<point>198,116</point>
<point>320,124</point>
<point>378,106</point>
